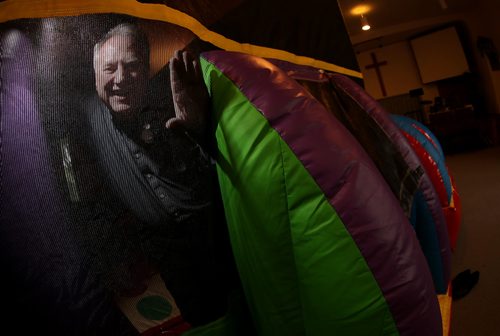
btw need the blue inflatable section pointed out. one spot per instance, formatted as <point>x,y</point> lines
<point>431,135</point>
<point>425,228</point>
<point>408,125</point>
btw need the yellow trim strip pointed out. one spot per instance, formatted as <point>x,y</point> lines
<point>21,9</point>
<point>445,302</point>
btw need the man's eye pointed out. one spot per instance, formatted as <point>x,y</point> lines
<point>132,66</point>
<point>109,69</point>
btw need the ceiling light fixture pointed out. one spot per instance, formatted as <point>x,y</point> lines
<point>364,23</point>
<point>360,9</point>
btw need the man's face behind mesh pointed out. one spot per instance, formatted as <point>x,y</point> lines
<point>121,76</point>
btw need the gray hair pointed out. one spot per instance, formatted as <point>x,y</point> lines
<point>141,43</point>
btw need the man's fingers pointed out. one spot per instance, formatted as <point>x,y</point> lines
<point>193,68</point>
<point>177,68</point>
<point>188,59</point>
<point>183,66</point>
<point>189,93</point>
<point>197,71</point>
<point>173,70</point>
<point>174,123</point>
<point>178,54</point>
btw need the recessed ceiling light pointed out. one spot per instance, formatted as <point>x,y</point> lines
<point>364,23</point>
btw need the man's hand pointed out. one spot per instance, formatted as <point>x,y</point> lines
<point>189,94</point>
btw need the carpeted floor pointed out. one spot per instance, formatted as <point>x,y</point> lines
<point>477,176</point>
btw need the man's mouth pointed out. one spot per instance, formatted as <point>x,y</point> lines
<point>119,93</point>
<point>121,97</point>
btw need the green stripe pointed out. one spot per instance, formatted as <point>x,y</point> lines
<point>301,271</point>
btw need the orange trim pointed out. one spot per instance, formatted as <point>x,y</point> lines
<point>19,9</point>
<point>445,307</point>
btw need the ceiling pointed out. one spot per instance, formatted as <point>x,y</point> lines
<point>396,20</point>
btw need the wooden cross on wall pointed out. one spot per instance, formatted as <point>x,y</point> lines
<point>376,65</point>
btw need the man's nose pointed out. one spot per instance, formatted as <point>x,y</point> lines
<point>121,74</point>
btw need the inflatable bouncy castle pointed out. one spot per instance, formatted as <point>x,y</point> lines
<point>325,173</point>
<point>431,155</point>
<point>305,209</point>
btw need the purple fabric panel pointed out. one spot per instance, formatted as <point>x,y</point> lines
<point>352,184</point>
<point>30,212</point>
<point>373,108</point>
<point>300,71</point>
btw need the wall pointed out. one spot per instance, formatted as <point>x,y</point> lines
<point>482,21</point>
<point>399,75</point>
<point>485,22</point>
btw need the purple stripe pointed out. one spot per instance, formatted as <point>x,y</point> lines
<point>373,108</point>
<point>30,209</point>
<point>351,183</point>
<point>300,71</point>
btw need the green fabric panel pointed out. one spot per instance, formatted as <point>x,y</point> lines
<point>301,271</point>
<point>339,294</point>
<point>272,289</point>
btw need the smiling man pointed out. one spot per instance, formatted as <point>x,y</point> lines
<point>159,181</point>
<point>121,64</point>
